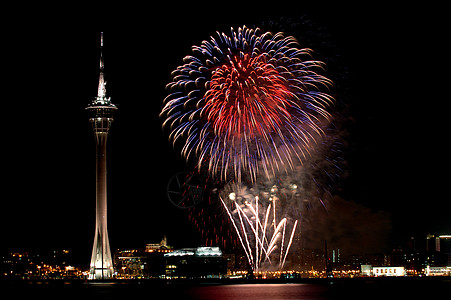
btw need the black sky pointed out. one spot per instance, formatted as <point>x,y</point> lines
<point>397,144</point>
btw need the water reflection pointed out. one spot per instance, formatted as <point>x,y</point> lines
<point>258,292</point>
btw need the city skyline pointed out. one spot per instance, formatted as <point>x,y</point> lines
<point>394,144</point>
<point>423,256</point>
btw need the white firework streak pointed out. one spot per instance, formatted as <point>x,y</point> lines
<point>248,255</point>
<point>255,235</point>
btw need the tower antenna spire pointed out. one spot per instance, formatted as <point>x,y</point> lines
<point>101,92</point>
<point>101,52</point>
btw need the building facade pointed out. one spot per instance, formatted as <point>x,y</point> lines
<point>200,262</point>
<point>389,271</point>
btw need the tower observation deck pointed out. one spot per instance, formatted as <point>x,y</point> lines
<point>101,112</point>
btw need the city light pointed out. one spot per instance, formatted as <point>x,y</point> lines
<point>162,261</point>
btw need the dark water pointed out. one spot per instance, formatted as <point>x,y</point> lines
<point>317,290</point>
<point>257,291</point>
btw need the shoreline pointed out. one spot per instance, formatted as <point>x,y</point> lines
<point>228,281</point>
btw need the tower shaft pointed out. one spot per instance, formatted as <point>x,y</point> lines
<point>101,266</point>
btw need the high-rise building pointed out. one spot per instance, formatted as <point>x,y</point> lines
<point>101,116</point>
<point>443,245</point>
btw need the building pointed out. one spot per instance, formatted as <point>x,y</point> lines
<point>366,270</point>
<point>142,263</point>
<point>311,260</point>
<point>389,271</point>
<point>443,247</point>
<point>200,262</point>
<point>101,116</point>
<point>162,246</point>
<point>155,261</point>
<point>130,264</point>
<point>161,261</point>
<point>438,251</point>
<point>437,271</point>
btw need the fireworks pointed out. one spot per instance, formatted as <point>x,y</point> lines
<point>265,236</point>
<point>247,103</point>
<point>248,107</point>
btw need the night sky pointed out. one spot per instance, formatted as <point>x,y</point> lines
<point>397,159</point>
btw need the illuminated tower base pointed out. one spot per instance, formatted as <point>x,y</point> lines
<point>101,116</point>
<point>101,266</point>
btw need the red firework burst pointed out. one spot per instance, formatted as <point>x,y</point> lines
<point>246,95</point>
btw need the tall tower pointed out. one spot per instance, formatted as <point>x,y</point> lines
<point>101,116</point>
